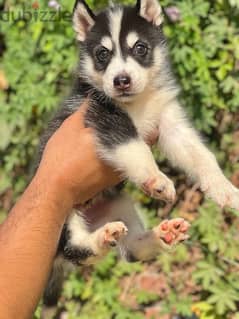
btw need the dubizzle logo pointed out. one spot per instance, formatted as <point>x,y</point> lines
<point>35,5</point>
<point>51,13</point>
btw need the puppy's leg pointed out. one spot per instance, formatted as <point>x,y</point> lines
<point>136,161</point>
<point>148,245</point>
<point>81,247</point>
<point>120,145</point>
<point>183,147</point>
<point>141,244</point>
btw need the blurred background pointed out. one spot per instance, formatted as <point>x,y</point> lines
<point>199,279</point>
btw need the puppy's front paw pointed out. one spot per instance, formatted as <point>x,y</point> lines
<point>222,192</point>
<point>172,231</point>
<point>160,187</point>
<point>112,233</point>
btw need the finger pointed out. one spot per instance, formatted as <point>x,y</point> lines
<point>84,106</point>
<point>79,116</point>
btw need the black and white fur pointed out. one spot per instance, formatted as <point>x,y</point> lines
<point>124,69</point>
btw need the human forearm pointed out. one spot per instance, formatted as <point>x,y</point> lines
<point>28,241</point>
<point>69,173</point>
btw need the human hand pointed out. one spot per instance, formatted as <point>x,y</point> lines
<point>70,167</point>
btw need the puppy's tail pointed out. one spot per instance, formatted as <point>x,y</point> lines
<point>53,292</point>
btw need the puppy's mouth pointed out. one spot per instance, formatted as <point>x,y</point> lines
<point>125,98</point>
<point>125,94</point>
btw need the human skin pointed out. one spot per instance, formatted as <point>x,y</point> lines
<point>70,173</point>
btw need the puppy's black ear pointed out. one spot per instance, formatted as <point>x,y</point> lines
<point>83,19</point>
<point>150,10</point>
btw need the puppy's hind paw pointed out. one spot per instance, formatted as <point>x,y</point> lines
<point>160,187</point>
<point>173,231</point>
<point>111,233</point>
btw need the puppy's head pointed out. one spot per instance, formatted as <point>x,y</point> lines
<point>122,48</point>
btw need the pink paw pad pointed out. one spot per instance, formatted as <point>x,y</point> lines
<point>173,231</point>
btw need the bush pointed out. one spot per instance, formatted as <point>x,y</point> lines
<point>36,63</point>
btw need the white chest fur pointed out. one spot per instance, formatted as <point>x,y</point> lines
<point>146,110</point>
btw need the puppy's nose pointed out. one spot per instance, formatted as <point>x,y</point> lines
<point>122,82</point>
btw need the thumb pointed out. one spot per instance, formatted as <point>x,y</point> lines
<point>79,115</point>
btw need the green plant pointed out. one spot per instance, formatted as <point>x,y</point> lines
<point>37,59</point>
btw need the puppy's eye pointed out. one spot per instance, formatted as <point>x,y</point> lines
<point>140,49</point>
<point>102,54</point>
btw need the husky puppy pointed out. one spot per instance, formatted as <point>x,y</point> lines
<point>125,72</point>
